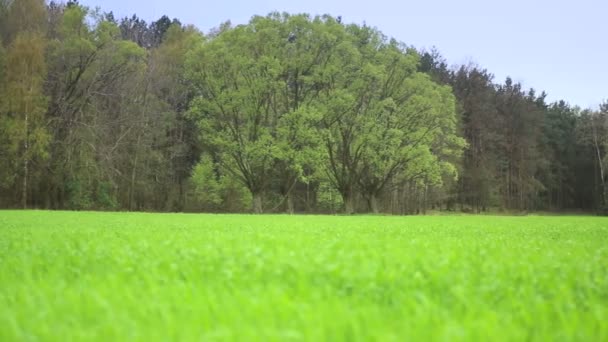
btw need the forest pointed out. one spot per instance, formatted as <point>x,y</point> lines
<point>287,113</point>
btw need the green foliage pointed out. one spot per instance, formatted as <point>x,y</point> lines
<point>235,196</point>
<point>82,195</point>
<point>256,83</point>
<point>79,194</point>
<point>27,138</point>
<point>267,88</point>
<point>152,277</point>
<point>206,185</point>
<point>215,192</point>
<point>4,12</point>
<point>387,122</point>
<point>24,16</point>
<point>299,145</point>
<point>328,198</point>
<point>106,199</point>
<point>233,113</point>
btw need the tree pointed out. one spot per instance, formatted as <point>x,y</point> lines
<point>95,111</point>
<point>560,148</point>
<point>520,114</point>
<point>234,106</point>
<point>206,184</point>
<point>311,48</point>
<point>593,132</point>
<point>343,119</point>
<point>434,64</point>
<point>4,10</point>
<point>6,157</point>
<point>22,16</point>
<point>26,104</point>
<point>384,119</point>
<point>160,27</point>
<point>298,154</point>
<point>136,30</point>
<point>478,186</point>
<point>410,123</point>
<point>255,82</point>
<point>600,142</point>
<point>174,92</point>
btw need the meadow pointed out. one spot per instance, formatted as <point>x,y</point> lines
<point>161,277</point>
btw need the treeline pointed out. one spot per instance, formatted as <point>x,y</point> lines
<point>288,113</point>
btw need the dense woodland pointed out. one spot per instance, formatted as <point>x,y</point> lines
<point>288,113</point>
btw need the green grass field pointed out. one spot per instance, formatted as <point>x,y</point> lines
<point>136,276</point>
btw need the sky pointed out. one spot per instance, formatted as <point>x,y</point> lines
<point>558,46</point>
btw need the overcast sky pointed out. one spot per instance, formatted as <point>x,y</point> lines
<point>558,46</point>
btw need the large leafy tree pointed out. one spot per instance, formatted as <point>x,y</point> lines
<point>234,109</point>
<point>257,86</point>
<point>385,120</point>
<point>410,127</point>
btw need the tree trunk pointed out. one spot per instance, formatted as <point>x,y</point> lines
<point>605,208</point>
<point>372,203</point>
<point>25,162</point>
<point>256,199</point>
<point>425,199</point>
<point>395,201</point>
<point>24,195</point>
<point>349,207</point>
<point>600,162</point>
<point>289,206</point>
<point>133,174</point>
